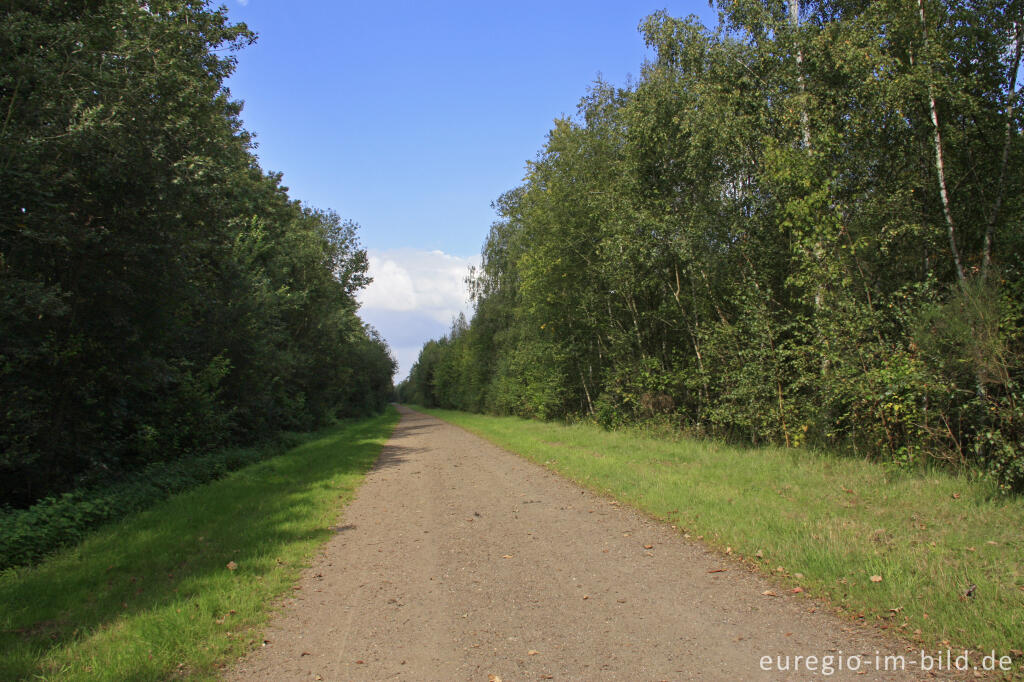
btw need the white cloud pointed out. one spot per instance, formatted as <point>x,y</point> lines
<point>243,3</point>
<point>414,297</point>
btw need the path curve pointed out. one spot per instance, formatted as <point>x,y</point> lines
<point>458,560</point>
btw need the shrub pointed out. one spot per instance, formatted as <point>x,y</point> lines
<point>28,535</point>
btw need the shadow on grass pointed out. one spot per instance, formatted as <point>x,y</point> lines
<point>188,569</point>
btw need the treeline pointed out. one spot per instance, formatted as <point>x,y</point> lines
<point>804,227</point>
<point>160,295</point>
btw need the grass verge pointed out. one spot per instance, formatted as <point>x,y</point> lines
<point>822,523</point>
<point>29,535</point>
<point>152,596</point>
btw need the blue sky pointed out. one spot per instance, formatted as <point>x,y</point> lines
<point>412,117</point>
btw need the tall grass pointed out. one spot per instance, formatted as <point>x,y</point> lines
<point>829,523</point>
<point>185,586</point>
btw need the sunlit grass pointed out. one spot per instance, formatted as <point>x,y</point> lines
<point>152,596</point>
<point>834,521</point>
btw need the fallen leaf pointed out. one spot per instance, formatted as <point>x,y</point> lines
<point>232,565</point>
<point>506,556</point>
<point>769,593</point>
<point>586,596</point>
<point>648,546</point>
<point>532,652</point>
<point>547,677</point>
<point>956,496</point>
<point>759,554</point>
<point>493,678</point>
<point>728,550</point>
<point>718,570</point>
<point>876,578</point>
<point>797,590</point>
<point>359,662</point>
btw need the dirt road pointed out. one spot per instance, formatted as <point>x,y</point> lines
<point>460,561</point>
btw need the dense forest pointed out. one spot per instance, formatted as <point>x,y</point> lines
<point>160,295</point>
<point>803,227</point>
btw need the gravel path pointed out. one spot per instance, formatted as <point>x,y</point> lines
<point>460,561</point>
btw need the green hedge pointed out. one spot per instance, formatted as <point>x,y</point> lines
<point>28,535</point>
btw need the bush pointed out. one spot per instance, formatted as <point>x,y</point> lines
<point>28,535</point>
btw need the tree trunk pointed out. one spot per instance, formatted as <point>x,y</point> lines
<point>1011,101</point>
<point>940,164</point>
<point>805,124</point>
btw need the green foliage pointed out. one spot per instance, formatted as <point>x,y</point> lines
<point>160,295</point>
<point>27,535</point>
<point>792,232</point>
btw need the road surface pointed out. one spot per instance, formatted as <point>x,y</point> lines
<point>458,560</point>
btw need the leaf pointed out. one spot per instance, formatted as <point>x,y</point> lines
<point>797,590</point>
<point>718,570</point>
<point>876,578</point>
<point>532,652</point>
<point>506,556</point>
<point>769,593</point>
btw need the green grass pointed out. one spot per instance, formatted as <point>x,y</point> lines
<point>152,597</point>
<point>834,521</point>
